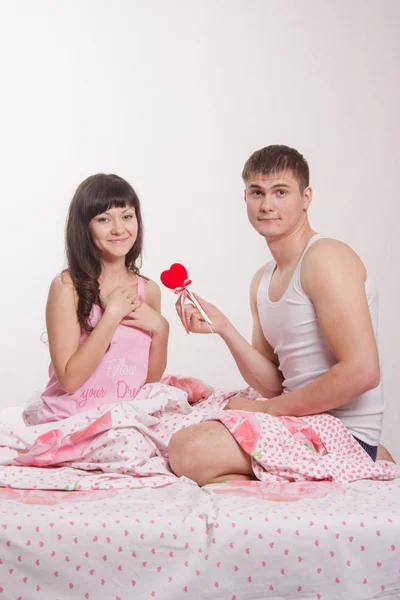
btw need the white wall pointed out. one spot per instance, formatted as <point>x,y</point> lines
<point>174,95</point>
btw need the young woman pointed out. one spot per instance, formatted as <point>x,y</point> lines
<point>106,335</point>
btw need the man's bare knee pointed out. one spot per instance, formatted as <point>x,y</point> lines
<point>206,451</point>
<point>184,450</point>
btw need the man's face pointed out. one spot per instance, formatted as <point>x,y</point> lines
<point>275,204</point>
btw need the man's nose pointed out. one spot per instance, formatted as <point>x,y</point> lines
<point>267,204</point>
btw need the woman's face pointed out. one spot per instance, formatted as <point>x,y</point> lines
<point>114,232</point>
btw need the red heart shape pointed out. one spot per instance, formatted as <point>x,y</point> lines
<point>174,277</point>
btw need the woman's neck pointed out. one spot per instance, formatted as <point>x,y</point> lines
<point>115,271</point>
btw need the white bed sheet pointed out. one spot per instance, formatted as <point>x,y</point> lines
<point>236,541</point>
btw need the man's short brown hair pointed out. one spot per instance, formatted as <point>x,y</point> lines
<point>275,159</point>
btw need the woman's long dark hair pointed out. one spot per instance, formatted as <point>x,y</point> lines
<point>94,196</point>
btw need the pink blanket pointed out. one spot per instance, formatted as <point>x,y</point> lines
<point>125,445</point>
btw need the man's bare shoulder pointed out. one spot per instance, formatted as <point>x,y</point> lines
<point>327,259</point>
<point>255,282</point>
<point>328,247</point>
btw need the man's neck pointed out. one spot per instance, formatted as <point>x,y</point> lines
<point>287,250</point>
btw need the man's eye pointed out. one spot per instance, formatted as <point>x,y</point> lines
<point>257,193</point>
<point>281,192</point>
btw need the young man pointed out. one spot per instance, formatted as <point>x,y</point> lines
<point>314,311</point>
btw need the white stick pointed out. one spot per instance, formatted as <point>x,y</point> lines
<point>197,305</point>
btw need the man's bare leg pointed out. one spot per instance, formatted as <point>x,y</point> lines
<point>384,454</point>
<point>233,477</point>
<point>208,453</point>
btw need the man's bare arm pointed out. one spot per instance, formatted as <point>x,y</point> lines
<point>257,362</point>
<point>334,278</point>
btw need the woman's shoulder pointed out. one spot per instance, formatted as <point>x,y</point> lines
<point>62,286</point>
<point>150,285</point>
<point>152,292</point>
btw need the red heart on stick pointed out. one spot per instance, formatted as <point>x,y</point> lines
<point>175,276</point>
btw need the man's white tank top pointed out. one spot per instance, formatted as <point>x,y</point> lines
<point>291,328</point>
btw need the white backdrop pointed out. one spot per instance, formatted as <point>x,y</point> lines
<point>174,96</point>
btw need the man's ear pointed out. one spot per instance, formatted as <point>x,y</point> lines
<point>244,195</point>
<point>307,198</point>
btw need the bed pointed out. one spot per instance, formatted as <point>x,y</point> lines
<point>74,529</point>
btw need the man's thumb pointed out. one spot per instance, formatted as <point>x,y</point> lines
<point>203,303</point>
